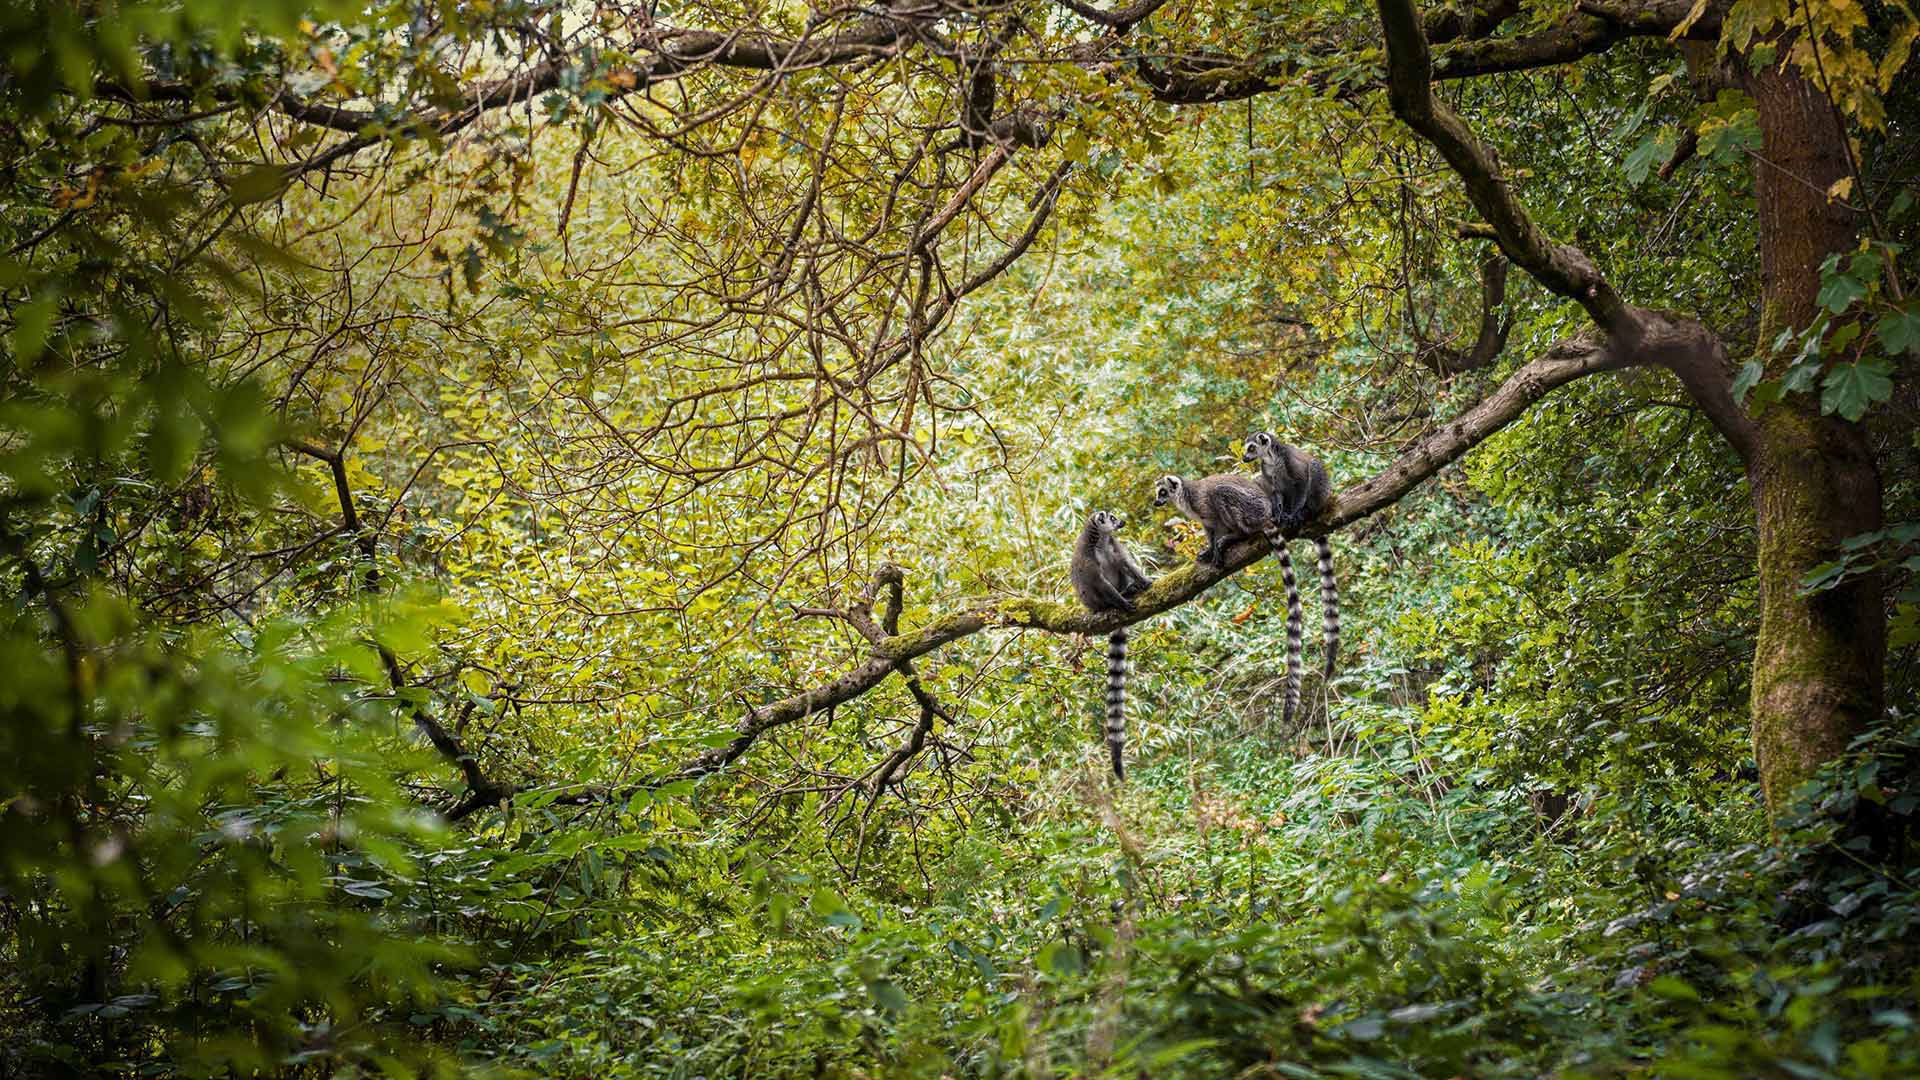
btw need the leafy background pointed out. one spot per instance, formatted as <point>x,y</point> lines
<point>1519,834</point>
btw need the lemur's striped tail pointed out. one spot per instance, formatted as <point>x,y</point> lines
<point>1293,629</point>
<point>1117,701</point>
<point>1330,602</point>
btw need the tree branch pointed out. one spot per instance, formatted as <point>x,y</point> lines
<point>676,53</point>
<point>667,54</point>
<point>1562,268</point>
<point>1118,21</point>
<point>1470,51</point>
<point>1659,17</point>
<point>1571,359</point>
<point>481,790</point>
<point>1639,335</point>
<point>1444,360</point>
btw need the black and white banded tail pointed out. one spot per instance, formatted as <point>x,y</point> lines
<point>1330,603</point>
<point>1117,700</point>
<point>1293,629</point>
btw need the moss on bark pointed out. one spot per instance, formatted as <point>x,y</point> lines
<point>1819,659</point>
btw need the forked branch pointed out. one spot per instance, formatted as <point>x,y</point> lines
<point>482,790</point>
<point>1635,335</point>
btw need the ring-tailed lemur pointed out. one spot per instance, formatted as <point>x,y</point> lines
<point>1230,507</point>
<point>1106,578</point>
<point>1298,486</point>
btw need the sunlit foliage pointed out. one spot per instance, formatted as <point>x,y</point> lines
<point>437,439</point>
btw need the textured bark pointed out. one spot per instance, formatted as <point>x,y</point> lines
<point>1469,48</point>
<point>1563,268</point>
<point>482,790</point>
<point>1819,665</point>
<point>1818,670</point>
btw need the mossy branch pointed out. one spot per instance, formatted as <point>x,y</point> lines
<point>1571,359</point>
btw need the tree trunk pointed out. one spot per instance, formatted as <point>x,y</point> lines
<point>1818,668</point>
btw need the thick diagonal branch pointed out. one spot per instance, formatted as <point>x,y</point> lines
<point>1563,268</point>
<point>1638,335</point>
<point>894,652</point>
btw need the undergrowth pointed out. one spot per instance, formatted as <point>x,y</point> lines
<point>1370,913</point>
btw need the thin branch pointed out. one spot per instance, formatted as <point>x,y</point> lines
<point>1444,360</point>
<point>1639,335</point>
<point>482,790</point>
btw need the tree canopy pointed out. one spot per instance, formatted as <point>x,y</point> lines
<point>538,535</point>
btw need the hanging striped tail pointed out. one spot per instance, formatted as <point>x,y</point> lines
<point>1330,603</point>
<point>1293,629</point>
<point>1117,701</point>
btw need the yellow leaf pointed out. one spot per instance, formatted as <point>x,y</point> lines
<point>1899,50</point>
<point>1693,16</point>
<point>1841,188</point>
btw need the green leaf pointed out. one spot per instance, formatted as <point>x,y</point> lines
<point>1416,1014</point>
<point>1903,629</point>
<point>1841,292</point>
<point>1822,576</point>
<point>1653,151</point>
<point>1062,958</point>
<point>1838,341</point>
<point>1850,389</point>
<point>1748,376</point>
<point>1802,376</point>
<point>256,185</point>
<point>1167,1055</point>
<point>1633,121</point>
<point>31,323</point>
<point>1899,330</point>
<point>832,910</point>
<point>1729,128</point>
<point>176,437</point>
<point>1365,1029</point>
<point>1673,989</point>
<point>888,995</point>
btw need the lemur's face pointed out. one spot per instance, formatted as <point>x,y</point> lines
<point>1106,521</point>
<point>1166,490</point>
<point>1258,445</point>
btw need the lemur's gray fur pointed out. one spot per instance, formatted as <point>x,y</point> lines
<point>1106,578</point>
<point>1295,480</point>
<point>1230,507</point>
<point>1298,488</point>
